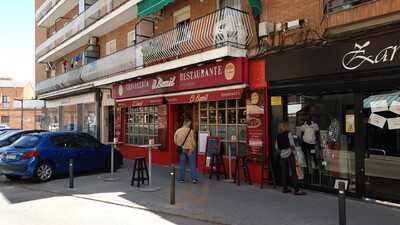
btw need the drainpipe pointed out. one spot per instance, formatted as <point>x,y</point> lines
<point>99,97</point>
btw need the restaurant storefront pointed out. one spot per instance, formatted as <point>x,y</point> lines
<point>218,97</point>
<point>75,113</point>
<point>350,89</point>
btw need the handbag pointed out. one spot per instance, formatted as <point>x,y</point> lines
<point>180,148</point>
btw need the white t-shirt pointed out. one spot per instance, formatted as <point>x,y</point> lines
<point>309,132</point>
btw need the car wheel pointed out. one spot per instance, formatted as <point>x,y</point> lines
<point>44,172</point>
<point>13,177</point>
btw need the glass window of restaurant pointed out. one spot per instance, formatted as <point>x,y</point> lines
<point>330,155</point>
<point>224,118</point>
<point>89,119</point>
<point>144,123</point>
<point>52,119</point>
<point>70,118</point>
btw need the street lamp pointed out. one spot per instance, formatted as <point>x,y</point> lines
<point>22,111</point>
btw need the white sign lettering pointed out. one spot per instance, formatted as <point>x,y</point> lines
<point>356,58</point>
<point>395,107</point>
<point>394,123</point>
<point>377,120</point>
<point>379,106</point>
<point>160,83</point>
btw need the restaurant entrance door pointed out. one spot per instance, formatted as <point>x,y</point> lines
<point>186,111</point>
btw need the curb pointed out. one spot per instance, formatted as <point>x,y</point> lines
<point>149,208</point>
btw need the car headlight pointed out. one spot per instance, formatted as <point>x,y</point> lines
<point>2,155</point>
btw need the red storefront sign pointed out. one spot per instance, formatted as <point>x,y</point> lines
<point>257,71</point>
<point>227,72</point>
<point>141,102</point>
<point>204,97</point>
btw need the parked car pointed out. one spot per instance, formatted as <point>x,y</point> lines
<point>11,136</point>
<point>6,130</point>
<point>45,155</point>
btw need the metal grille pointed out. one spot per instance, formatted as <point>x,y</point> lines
<point>224,27</point>
<point>85,19</point>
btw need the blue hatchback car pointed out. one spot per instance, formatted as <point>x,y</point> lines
<point>45,155</point>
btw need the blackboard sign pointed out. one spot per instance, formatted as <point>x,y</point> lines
<point>213,145</point>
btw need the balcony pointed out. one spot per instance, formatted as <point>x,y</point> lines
<point>99,19</point>
<point>51,10</point>
<point>222,28</point>
<point>354,15</point>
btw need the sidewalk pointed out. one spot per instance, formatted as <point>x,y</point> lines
<point>221,203</point>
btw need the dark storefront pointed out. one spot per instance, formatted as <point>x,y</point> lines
<point>350,89</point>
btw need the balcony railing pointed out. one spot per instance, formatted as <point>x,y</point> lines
<point>45,8</point>
<point>225,27</point>
<point>85,19</point>
<point>338,5</point>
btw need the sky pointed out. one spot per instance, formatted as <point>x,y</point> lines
<point>17,47</point>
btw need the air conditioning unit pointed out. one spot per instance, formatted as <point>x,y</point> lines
<point>265,29</point>
<point>93,40</point>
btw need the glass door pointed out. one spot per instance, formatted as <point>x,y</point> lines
<point>382,156</point>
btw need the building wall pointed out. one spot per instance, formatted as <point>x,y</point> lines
<point>14,114</point>
<point>40,37</point>
<point>318,23</point>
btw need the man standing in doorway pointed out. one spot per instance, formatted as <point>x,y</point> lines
<point>184,139</point>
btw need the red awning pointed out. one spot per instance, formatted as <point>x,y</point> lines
<point>140,102</point>
<point>205,96</point>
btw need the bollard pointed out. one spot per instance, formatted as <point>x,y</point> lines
<point>342,203</point>
<point>71,173</point>
<point>172,193</point>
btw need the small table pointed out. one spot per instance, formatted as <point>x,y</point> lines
<point>149,188</point>
<point>113,146</point>
<point>230,142</point>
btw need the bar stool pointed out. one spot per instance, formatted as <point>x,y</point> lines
<point>140,172</point>
<point>216,164</point>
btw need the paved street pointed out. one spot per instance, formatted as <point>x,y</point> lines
<point>94,201</point>
<point>21,206</point>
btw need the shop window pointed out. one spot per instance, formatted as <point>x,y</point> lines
<point>52,119</point>
<point>224,119</point>
<point>70,118</point>
<point>382,154</point>
<point>145,123</point>
<point>324,131</point>
<point>89,119</point>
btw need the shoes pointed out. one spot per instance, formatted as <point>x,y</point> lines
<point>181,181</point>
<point>300,193</point>
<point>287,190</point>
<point>195,181</point>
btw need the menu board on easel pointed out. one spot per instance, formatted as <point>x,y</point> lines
<point>213,146</point>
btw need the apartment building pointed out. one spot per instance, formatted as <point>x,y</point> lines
<point>335,63</point>
<point>12,93</point>
<point>134,70</point>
